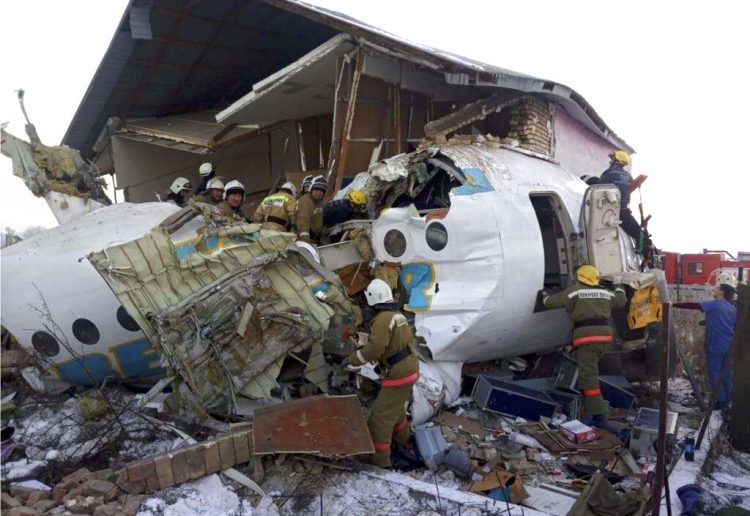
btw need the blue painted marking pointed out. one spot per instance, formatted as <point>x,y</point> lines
<point>321,287</point>
<point>417,278</point>
<point>80,371</point>
<point>476,182</point>
<point>214,243</point>
<point>185,250</point>
<point>138,359</point>
<point>210,243</point>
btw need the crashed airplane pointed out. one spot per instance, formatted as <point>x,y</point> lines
<point>473,193</point>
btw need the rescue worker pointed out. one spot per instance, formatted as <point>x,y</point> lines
<point>214,193</point>
<point>179,192</point>
<point>352,206</point>
<point>276,212</point>
<point>391,344</point>
<point>621,178</point>
<point>306,182</point>
<point>206,171</point>
<point>234,196</point>
<point>309,216</point>
<point>721,319</point>
<point>589,306</point>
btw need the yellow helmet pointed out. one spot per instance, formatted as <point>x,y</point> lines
<point>620,156</point>
<point>357,197</point>
<point>588,275</point>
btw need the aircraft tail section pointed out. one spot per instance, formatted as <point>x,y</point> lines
<point>58,173</point>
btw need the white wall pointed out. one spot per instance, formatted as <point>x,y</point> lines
<point>144,169</point>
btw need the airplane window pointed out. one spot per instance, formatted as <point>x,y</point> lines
<point>395,243</point>
<point>436,236</point>
<point>86,331</point>
<point>45,343</point>
<point>127,322</point>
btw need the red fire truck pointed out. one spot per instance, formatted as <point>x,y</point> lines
<point>702,268</point>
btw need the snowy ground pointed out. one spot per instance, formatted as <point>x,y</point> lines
<point>57,434</point>
<point>329,492</point>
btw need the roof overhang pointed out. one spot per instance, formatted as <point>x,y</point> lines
<point>165,60</point>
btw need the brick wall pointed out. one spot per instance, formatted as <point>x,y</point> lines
<point>531,125</point>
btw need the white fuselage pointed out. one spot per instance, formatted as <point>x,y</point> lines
<point>473,299</point>
<point>58,307</point>
<point>479,302</point>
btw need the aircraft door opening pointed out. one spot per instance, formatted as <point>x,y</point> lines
<point>556,263</point>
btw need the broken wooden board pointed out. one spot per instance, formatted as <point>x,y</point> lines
<point>555,442</point>
<point>320,425</point>
<point>469,426</point>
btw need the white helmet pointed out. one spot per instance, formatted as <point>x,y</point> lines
<point>205,169</point>
<point>215,184</point>
<point>726,278</point>
<point>234,186</point>
<point>378,292</point>
<point>289,186</point>
<point>179,185</point>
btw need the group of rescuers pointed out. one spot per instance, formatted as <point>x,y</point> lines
<point>391,341</point>
<point>305,213</point>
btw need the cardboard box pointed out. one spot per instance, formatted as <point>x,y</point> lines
<point>576,432</point>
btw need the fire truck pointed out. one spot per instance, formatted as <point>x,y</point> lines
<point>702,268</point>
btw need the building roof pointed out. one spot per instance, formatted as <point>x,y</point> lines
<point>168,57</point>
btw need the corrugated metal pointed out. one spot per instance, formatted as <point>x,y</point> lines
<point>206,55</point>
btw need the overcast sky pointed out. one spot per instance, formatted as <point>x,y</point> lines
<point>668,77</point>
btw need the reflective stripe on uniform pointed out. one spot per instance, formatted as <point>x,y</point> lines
<point>401,381</point>
<point>592,338</point>
<point>397,320</point>
<point>400,426</point>
<point>382,446</point>
<point>592,392</point>
<point>591,293</point>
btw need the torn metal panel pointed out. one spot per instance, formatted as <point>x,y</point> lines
<point>225,305</point>
<point>69,184</point>
<point>321,425</point>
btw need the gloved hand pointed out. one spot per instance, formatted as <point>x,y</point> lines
<point>541,296</point>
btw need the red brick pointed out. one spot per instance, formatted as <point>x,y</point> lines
<point>196,466</point>
<point>241,448</point>
<point>44,505</point>
<point>8,501</point>
<point>179,466</point>
<point>37,496</point>
<point>226,452</point>
<point>211,457</point>
<point>163,467</point>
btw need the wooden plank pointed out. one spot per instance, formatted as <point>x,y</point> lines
<point>348,121</point>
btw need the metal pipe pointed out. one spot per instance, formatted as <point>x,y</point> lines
<point>661,442</point>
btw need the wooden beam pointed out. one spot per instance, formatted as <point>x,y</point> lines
<point>348,122</point>
<point>397,116</point>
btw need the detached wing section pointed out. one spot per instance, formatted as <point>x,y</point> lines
<point>225,307</point>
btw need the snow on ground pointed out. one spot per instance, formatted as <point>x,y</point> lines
<point>57,430</point>
<point>23,468</point>
<point>728,484</point>
<point>207,496</point>
<point>353,493</point>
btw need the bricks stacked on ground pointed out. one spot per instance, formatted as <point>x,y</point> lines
<point>106,492</point>
<point>186,464</point>
<point>530,124</point>
<point>81,492</point>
